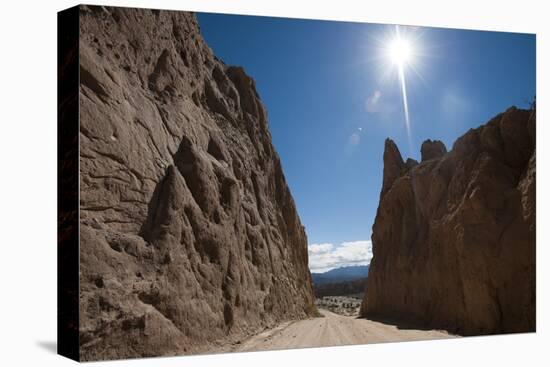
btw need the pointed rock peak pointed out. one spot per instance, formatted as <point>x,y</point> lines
<point>432,149</point>
<point>393,165</point>
<point>391,153</point>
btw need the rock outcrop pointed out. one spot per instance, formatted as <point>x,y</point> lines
<point>432,149</point>
<point>190,238</point>
<point>454,236</point>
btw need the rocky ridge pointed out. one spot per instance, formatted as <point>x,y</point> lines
<point>454,235</point>
<point>189,234</point>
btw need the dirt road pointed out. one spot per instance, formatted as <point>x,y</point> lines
<point>333,330</point>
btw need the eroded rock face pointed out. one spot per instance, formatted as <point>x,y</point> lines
<point>189,234</point>
<point>432,149</point>
<point>454,236</point>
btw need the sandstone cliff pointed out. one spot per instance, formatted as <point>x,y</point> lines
<point>189,234</point>
<point>454,235</point>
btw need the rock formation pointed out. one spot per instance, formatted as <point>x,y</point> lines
<point>432,149</point>
<point>454,236</point>
<point>189,234</point>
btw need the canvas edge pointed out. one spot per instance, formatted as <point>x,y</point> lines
<point>67,183</point>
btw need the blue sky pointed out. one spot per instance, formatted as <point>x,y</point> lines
<point>333,97</point>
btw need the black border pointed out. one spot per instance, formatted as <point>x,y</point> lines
<point>67,183</point>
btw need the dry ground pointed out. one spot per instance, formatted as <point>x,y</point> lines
<point>332,330</point>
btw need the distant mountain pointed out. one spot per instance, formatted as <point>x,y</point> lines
<point>338,275</point>
<point>353,288</point>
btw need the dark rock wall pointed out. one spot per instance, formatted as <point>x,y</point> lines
<point>454,236</point>
<point>189,234</point>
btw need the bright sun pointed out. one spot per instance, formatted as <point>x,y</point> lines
<point>400,51</point>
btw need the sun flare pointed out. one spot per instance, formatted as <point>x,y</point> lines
<point>400,51</point>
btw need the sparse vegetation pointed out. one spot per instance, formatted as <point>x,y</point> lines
<point>342,305</point>
<point>312,310</point>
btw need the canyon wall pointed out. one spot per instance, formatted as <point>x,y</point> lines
<point>454,235</point>
<point>189,235</point>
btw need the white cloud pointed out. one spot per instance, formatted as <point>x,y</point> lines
<point>372,104</point>
<point>320,248</point>
<point>326,256</point>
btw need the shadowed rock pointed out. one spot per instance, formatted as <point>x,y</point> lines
<point>432,149</point>
<point>454,236</point>
<point>393,165</point>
